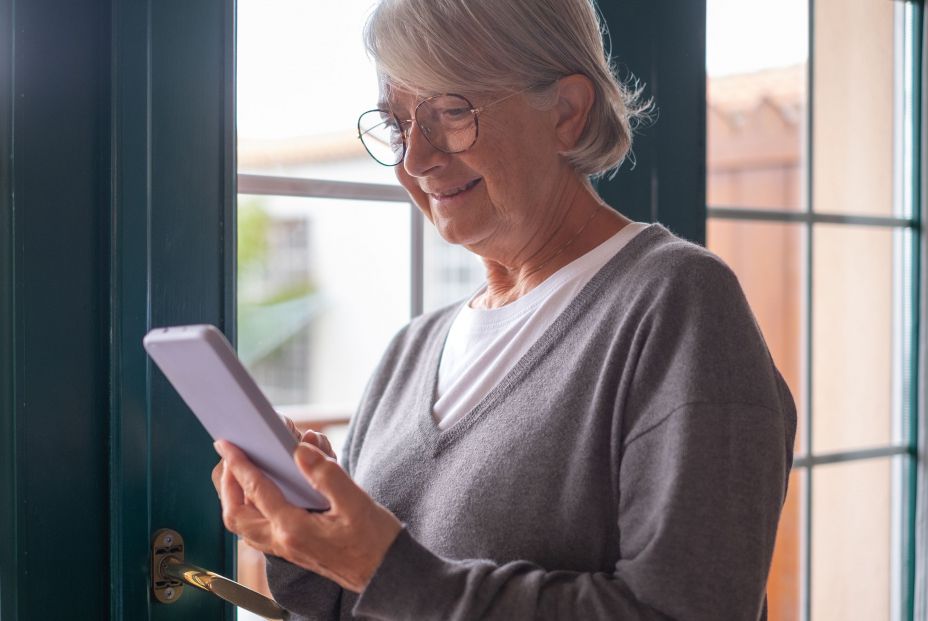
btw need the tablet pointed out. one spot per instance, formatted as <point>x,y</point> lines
<point>203,368</point>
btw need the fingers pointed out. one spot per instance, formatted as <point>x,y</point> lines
<point>247,522</point>
<point>291,426</point>
<point>250,483</point>
<point>320,441</point>
<point>216,476</point>
<point>312,437</point>
<point>252,506</point>
<point>231,494</point>
<point>328,478</point>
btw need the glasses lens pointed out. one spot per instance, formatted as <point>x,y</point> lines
<point>449,123</point>
<point>382,136</point>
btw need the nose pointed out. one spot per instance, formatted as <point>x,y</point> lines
<point>421,157</point>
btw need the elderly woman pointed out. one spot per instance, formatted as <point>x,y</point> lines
<point>597,433</point>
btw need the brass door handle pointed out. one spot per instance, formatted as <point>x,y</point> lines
<point>169,574</point>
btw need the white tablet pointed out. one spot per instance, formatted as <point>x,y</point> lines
<point>203,368</point>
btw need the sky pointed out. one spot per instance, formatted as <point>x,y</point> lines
<point>302,69</point>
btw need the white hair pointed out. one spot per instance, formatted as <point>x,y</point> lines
<point>499,46</point>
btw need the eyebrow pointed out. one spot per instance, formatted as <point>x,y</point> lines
<point>385,105</point>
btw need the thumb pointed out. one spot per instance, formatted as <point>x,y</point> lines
<point>327,477</point>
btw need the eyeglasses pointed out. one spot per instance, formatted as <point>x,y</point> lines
<point>449,122</point>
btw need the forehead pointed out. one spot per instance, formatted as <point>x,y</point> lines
<point>402,101</point>
<point>399,100</point>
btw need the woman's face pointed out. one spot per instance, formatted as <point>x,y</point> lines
<point>493,196</point>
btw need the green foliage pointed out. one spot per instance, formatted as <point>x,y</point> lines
<point>253,225</point>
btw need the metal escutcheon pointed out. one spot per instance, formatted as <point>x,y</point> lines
<point>169,574</point>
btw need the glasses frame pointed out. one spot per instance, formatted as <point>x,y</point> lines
<point>406,126</point>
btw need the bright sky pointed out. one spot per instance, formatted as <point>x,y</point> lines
<point>302,69</point>
<point>746,35</point>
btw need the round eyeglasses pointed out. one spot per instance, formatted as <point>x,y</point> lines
<point>449,123</point>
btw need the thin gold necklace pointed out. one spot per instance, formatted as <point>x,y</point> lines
<point>557,253</point>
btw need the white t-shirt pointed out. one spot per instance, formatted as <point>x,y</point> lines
<point>484,344</point>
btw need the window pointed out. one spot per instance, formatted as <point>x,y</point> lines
<point>333,259</point>
<point>810,153</point>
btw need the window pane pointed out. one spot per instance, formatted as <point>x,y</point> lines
<point>323,286</point>
<point>857,341</point>
<point>297,109</point>
<point>451,273</point>
<point>756,59</point>
<point>784,586</point>
<point>769,259</point>
<point>852,541</point>
<point>858,108</point>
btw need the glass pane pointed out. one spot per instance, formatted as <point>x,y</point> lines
<point>756,56</point>
<point>251,573</point>
<point>857,337</point>
<point>450,274</point>
<point>769,259</point>
<point>852,541</point>
<point>297,109</point>
<point>784,585</point>
<point>859,106</point>
<point>323,286</point>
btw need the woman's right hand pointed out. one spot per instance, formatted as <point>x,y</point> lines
<point>319,440</point>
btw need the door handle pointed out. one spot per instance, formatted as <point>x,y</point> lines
<point>170,572</point>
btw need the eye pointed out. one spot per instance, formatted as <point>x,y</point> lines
<point>456,118</point>
<point>394,130</point>
<point>455,113</point>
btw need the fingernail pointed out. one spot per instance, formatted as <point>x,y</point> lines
<point>307,455</point>
<point>217,447</point>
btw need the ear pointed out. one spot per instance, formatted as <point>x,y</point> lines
<point>575,97</point>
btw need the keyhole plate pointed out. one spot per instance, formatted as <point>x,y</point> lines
<point>166,543</point>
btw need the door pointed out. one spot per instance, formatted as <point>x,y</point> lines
<point>116,168</point>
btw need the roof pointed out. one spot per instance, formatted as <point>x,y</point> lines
<point>781,88</point>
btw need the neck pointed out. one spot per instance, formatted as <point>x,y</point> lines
<point>584,222</point>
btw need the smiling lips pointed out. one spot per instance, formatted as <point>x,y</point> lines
<point>454,191</point>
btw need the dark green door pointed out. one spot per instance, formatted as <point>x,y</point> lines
<point>116,170</point>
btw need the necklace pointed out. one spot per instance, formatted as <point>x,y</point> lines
<point>556,254</point>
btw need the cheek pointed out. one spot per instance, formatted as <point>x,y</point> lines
<point>508,176</point>
<point>419,197</point>
<point>511,157</point>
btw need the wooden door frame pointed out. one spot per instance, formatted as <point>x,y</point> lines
<point>116,215</point>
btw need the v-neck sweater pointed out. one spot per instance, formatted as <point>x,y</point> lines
<point>483,344</point>
<point>631,465</point>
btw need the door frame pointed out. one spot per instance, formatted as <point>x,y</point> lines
<point>116,215</point>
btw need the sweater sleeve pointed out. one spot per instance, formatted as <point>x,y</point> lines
<point>697,533</point>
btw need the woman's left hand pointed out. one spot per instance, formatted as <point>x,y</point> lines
<point>345,544</point>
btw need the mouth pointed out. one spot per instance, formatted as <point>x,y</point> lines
<point>454,192</point>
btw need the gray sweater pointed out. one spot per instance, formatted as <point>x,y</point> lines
<point>631,466</point>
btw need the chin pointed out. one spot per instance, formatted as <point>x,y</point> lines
<point>459,234</point>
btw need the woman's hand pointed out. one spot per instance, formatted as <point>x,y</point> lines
<point>315,438</point>
<point>345,544</point>
<point>319,440</point>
